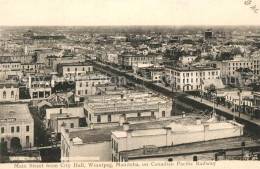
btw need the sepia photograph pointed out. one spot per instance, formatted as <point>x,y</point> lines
<point>129,84</point>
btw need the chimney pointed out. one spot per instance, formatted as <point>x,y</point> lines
<point>183,114</point>
<point>206,129</point>
<point>198,121</point>
<point>129,140</point>
<point>126,126</point>
<point>91,126</point>
<point>168,136</point>
<point>121,120</point>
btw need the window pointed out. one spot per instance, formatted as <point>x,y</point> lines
<point>93,84</point>
<point>27,141</point>
<point>76,69</point>
<point>68,69</point>
<point>78,92</point>
<point>163,113</point>
<point>152,113</point>
<point>27,128</point>
<point>17,129</point>
<point>80,84</point>
<point>86,84</point>
<point>112,143</point>
<point>12,129</point>
<point>98,118</point>
<point>138,114</point>
<point>12,94</point>
<point>89,117</point>
<point>86,91</point>
<point>109,118</point>
<point>2,140</point>
<point>83,69</point>
<point>2,130</point>
<point>71,125</point>
<point>4,94</point>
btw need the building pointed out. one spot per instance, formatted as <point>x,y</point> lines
<point>9,91</point>
<point>67,116</point>
<point>180,131</point>
<point>111,108</point>
<point>17,125</point>
<point>73,69</point>
<point>10,66</point>
<point>208,34</point>
<point>127,60</point>
<point>190,78</point>
<point>39,86</point>
<point>93,143</point>
<point>223,149</point>
<point>228,67</point>
<point>86,84</point>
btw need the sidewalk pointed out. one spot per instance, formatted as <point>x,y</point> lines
<point>227,110</point>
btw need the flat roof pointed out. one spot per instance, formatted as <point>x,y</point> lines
<point>18,111</point>
<point>191,68</point>
<point>192,148</point>
<point>104,134</point>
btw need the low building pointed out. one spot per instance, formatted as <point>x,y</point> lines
<point>10,66</point>
<point>223,149</point>
<point>93,143</point>
<point>39,86</point>
<point>74,69</point>
<point>9,91</point>
<point>180,131</point>
<point>17,126</point>
<point>110,108</point>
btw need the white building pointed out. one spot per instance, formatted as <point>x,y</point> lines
<point>74,69</point>
<point>17,125</point>
<point>111,108</point>
<point>86,84</point>
<point>190,78</point>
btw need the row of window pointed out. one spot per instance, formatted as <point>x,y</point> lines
<point>76,69</point>
<point>17,129</point>
<point>86,83</point>
<point>213,73</point>
<point>138,115</point>
<point>9,66</point>
<point>4,94</point>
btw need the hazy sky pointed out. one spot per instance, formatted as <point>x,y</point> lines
<point>128,12</point>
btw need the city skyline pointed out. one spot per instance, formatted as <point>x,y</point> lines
<point>127,12</point>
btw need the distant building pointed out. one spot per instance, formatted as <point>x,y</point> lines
<point>10,66</point>
<point>190,78</point>
<point>9,91</point>
<point>17,125</point>
<point>208,34</point>
<point>74,69</point>
<point>86,84</point>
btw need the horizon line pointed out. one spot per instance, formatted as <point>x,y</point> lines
<point>120,25</point>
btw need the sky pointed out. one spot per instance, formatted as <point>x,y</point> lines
<point>127,12</point>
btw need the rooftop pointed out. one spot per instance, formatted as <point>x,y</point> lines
<point>20,112</point>
<point>191,148</point>
<point>104,134</point>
